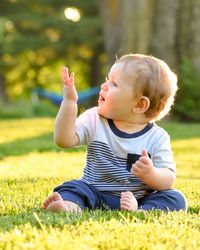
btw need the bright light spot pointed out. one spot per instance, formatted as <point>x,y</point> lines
<point>9,26</point>
<point>72,14</point>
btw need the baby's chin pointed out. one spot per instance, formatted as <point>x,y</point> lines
<point>101,113</point>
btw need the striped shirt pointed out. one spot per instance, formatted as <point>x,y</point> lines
<point>111,153</point>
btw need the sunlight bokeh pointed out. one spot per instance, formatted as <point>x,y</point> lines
<point>72,14</point>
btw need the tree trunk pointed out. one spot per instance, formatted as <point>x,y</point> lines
<point>3,94</point>
<point>110,11</point>
<point>164,37</point>
<point>95,72</point>
<point>141,26</point>
<point>167,29</point>
<point>189,34</point>
<point>127,26</point>
<point>136,26</point>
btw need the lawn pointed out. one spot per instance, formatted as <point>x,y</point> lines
<point>31,165</point>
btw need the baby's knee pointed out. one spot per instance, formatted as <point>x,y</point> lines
<point>178,198</point>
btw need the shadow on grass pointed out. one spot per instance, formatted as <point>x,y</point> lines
<point>41,219</point>
<point>35,217</point>
<point>42,143</point>
<point>45,142</point>
<point>24,207</point>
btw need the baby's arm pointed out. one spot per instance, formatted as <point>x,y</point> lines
<point>65,132</point>
<point>156,178</point>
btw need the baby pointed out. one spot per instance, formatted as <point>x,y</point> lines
<point>129,163</point>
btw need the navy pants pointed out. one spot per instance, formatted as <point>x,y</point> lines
<point>87,196</point>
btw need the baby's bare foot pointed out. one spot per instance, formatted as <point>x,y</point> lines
<point>128,202</point>
<point>54,203</point>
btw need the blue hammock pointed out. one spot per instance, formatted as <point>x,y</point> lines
<point>83,96</point>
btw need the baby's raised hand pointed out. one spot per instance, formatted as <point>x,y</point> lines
<point>70,93</point>
<point>143,166</point>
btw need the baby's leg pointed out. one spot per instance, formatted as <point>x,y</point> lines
<point>55,203</point>
<point>128,202</point>
<point>166,200</point>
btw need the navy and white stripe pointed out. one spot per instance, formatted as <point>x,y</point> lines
<point>108,172</point>
<point>108,149</point>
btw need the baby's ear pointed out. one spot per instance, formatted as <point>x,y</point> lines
<point>141,105</point>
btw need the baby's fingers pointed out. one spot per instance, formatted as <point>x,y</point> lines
<point>64,75</point>
<point>66,79</point>
<point>71,79</point>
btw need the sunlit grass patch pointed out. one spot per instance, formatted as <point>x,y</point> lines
<point>31,166</point>
<point>164,231</point>
<point>47,164</point>
<point>187,157</point>
<point>24,128</point>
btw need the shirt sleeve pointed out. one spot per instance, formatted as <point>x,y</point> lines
<point>162,154</point>
<point>86,126</point>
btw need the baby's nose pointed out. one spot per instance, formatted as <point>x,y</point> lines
<point>104,86</point>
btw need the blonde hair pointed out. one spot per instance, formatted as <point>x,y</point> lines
<point>152,78</point>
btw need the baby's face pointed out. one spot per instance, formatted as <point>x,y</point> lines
<point>116,95</point>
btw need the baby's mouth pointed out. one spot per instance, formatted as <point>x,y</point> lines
<point>101,97</point>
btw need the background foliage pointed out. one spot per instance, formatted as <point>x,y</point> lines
<point>36,39</point>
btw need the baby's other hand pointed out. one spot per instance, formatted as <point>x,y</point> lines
<point>128,201</point>
<point>143,166</point>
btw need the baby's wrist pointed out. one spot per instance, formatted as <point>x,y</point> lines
<point>149,174</point>
<point>70,94</point>
<point>69,102</point>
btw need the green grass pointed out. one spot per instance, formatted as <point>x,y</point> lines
<point>31,166</point>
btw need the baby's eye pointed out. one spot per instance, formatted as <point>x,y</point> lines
<point>111,82</point>
<point>114,84</point>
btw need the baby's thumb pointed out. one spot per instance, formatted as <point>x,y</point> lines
<point>144,153</point>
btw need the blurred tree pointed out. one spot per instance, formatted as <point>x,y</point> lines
<point>111,19</point>
<point>166,29</point>
<point>188,53</point>
<point>139,27</point>
<point>3,93</point>
<point>38,39</point>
